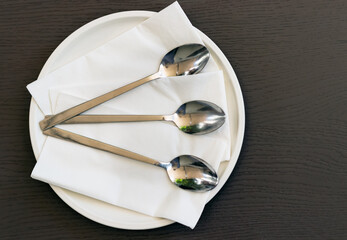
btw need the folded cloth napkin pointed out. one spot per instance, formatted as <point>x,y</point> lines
<point>118,180</point>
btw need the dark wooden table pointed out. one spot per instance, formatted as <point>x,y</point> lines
<point>291,61</point>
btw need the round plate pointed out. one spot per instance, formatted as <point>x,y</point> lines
<point>86,39</point>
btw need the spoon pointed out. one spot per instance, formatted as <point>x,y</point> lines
<point>183,60</point>
<point>195,117</point>
<point>186,171</point>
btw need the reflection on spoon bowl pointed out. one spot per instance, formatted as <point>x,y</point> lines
<point>191,173</point>
<point>198,117</point>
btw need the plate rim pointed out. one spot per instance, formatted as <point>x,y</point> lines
<point>157,222</point>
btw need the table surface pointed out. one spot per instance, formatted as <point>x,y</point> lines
<point>290,179</point>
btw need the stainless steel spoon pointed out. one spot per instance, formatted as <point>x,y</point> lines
<point>195,117</point>
<point>183,60</point>
<point>186,171</point>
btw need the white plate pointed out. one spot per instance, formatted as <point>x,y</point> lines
<point>89,37</point>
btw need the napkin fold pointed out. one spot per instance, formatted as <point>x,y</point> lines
<point>115,179</point>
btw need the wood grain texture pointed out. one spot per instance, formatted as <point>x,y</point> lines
<point>290,58</point>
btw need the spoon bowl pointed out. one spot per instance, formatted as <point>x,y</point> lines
<point>191,173</point>
<point>199,117</point>
<point>184,60</point>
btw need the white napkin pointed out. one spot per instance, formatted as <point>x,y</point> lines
<point>118,180</point>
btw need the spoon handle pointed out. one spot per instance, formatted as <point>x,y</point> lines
<point>71,112</point>
<point>73,137</point>
<point>112,118</point>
